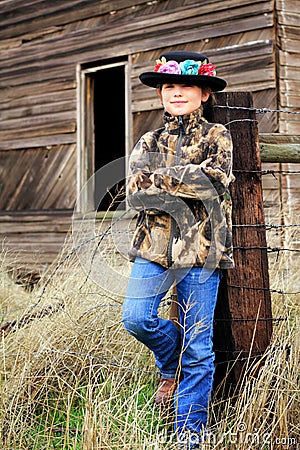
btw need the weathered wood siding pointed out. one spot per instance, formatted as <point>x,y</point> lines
<point>288,69</point>
<point>38,178</point>
<point>42,42</point>
<point>32,241</point>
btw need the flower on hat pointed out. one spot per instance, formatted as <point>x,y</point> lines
<point>159,62</point>
<point>189,67</point>
<point>207,69</point>
<point>170,67</point>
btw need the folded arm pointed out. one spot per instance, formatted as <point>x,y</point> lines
<point>148,181</point>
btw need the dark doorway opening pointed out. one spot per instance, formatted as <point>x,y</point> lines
<point>109,137</point>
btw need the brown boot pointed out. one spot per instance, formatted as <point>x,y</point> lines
<point>165,391</point>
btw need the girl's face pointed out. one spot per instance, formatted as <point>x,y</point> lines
<point>180,99</point>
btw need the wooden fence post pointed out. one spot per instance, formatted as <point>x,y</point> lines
<point>243,319</point>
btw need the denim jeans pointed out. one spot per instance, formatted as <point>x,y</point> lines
<point>186,353</point>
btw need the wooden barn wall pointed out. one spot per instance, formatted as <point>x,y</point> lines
<point>43,43</point>
<point>288,39</point>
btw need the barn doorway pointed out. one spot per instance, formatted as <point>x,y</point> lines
<point>105,132</point>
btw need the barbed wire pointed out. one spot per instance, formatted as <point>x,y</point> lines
<point>267,227</point>
<point>240,120</point>
<point>105,363</point>
<point>261,111</point>
<point>32,314</point>
<point>268,249</point>
<point>255,288</point>
<point>267,171</point>
<point>256,110</point>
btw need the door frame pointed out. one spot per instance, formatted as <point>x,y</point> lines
<point>85,129</point>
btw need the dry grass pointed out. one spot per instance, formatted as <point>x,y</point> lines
<point>74,379</point>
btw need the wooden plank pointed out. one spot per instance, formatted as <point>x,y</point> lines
<point>73,12</point>
<point>35,121</point>
<point>41,73</point>
<point>40,216</point>
<point>288,5</point>
<point>288,87</point>
<point>288,72</point>
<point>38,141</point>
<point>182,20</point>
<point>29,99</point>
<point>145,121</point>
<point>38,130</point>
<point>56,13</point>
<point>39,88</point>
<point>39,112</point>
<point>37,179</point>
<point>288,59</point>
<point>243,314</point>
<point>288,153</point>
<point>214,46</point>
<point>288,32</point>
<point>290,18</point>
<point>31,242</point>
<point>289,127</point>
<point>291,45</point>
<point>33,9</point>
<point>277,138</point>
<point>290,101</point>
<point>18,229</point>
<point>273,147</point>
<point>7,6</point>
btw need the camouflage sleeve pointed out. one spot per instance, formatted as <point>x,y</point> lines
<point>139,170</point>
<point>140,191</point>
<point>209,179</point>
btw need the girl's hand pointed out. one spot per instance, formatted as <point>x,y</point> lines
<point>205,163</point>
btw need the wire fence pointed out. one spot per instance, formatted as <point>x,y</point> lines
<point>36,313</point>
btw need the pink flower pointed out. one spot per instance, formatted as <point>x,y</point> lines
<point>170,67</point>
<point>207,69</point>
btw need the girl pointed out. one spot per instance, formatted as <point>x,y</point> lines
<point>179,178</point>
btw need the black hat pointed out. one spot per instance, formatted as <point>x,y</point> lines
<point>183,67</point>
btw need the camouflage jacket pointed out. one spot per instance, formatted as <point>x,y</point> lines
<point>184,207</point>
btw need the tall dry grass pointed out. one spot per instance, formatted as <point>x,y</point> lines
<point>74,379</point>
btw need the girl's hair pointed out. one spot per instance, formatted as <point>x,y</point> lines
<point>208,108</point>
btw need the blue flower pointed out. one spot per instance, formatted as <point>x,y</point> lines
<point>189,67</point>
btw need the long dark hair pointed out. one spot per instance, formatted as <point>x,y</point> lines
<point>208,107</point>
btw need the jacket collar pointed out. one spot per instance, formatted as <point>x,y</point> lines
<point>190,121</point>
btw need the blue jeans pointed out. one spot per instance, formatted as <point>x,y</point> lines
<point>186,353</point>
